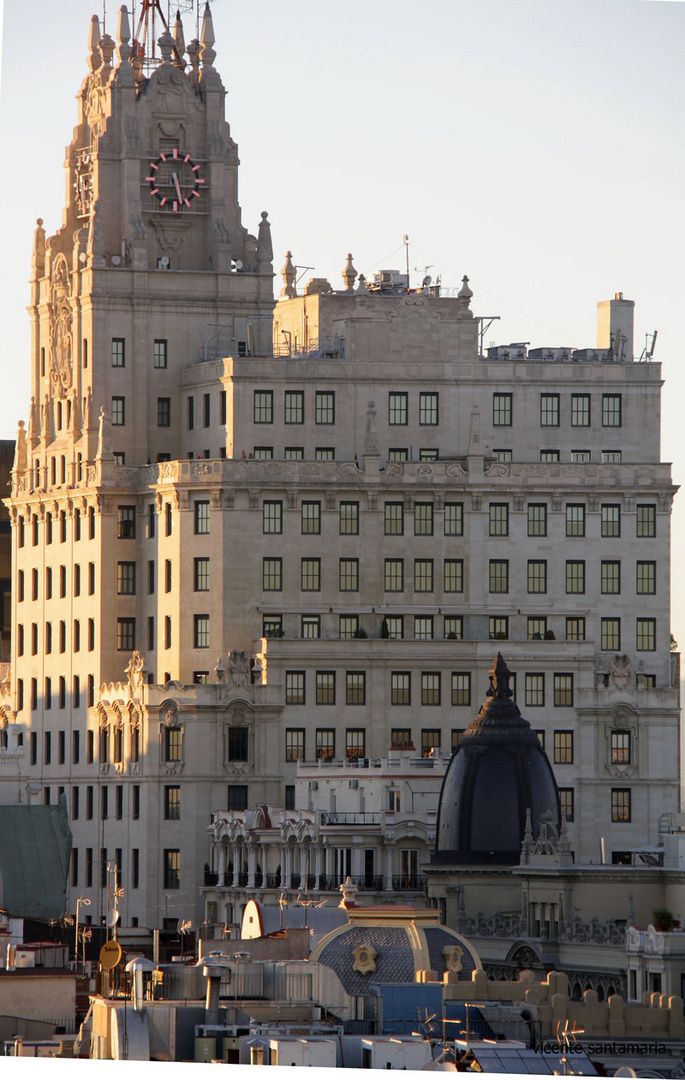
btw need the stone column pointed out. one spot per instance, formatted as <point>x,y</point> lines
<point>288,853</point>
<point>317,869</point>
<point>222,862</point>
<point>388,869</point>
<point>356,861</point>
<point>251,865</point>
<point>236,864</point>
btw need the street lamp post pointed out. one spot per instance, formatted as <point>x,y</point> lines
<point>86,903</point>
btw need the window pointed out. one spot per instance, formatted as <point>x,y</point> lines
<point>397,409</point>
<point>263,407</point>
<point>537,575</point>
<point>537,519</point>
<point>62,636</point>
<point>126,522</point>
<point>453,575</point>
<point>454,627</point>
<point>549,410</point>
<point>126,635</point>
<point>580,457</point>
<point>311,517</point>
<point>237,797</point>
<point>502,455</point>
<point>611,410</point>
<point>355,744</point>
<point>294,687</point>
<point>430,687</point>
<point>537,627</point>
<point>430,740</point>
<point>349,519</point>
<point>324,408</point>
<point>580,410</point>
<point>423,519</point>
<point>535,689</point>
<point>201,575</point>
<point>172,868</point>
<point>645,520</point>
<point>294,407</point>
<point>206,410</point>
<point>163,412</point>
<point>499,519</point>
<point>620,748</point>
<point>167,631</point>
<point>272,517</point>
<point>238,744</point>
<point>620,805</point>
<point>118,352</point>
<point>394,519</point>
<point>549,455</point>
<point>200,678</point>
<point>454,519</point>
<point>173,738</point>
<point>398,453</point>
<point>401,737</point>
<point>645,581</point>
<point>63,526</point>
<point>423,575</point>
<point>201,508</point>
<point>272,575</point>
<point>423,627</point>
<point>118,411</point>
<point>456,737</point>
<point>222,408</point>
<point>310,575</point>
<point>611,577</point>
<point>349,575</point>
<point>575,519</point>
<point>325,744</point>
<point>563,747</point>
<point>394,575</point>
<point>126,578</point>
<point>499,575</point>
<point>324,453</point>
<point>91,579</point>
<point>311,626</point>
<point>428,410</point>
<point>563,690</point>
<point>168,520</point>
<point>394,625</point>
<point>191,413</point>
<point>610,635</point>
<point>611,520</point>
<point>400,688</point>
<point>294,744</point>
<point>566,801</point>
<point>645,638</point>
<point>501,410</point>
<point>159,353</point>
<point>201,631</point>
<point>575,576</point>
<point>575,629</point>
<point>461,688</point>
<point>428,454</point>
<point>611,457</point>
<point>325,688</point>
<point>355,688</point>
<point>348,626</point>
<point>499,626</point>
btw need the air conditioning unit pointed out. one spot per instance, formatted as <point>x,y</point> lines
<point>354,783</point>
<point>363,762</point>
<point>313,785</point>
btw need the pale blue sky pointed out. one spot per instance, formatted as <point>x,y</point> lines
<point>536,146</point>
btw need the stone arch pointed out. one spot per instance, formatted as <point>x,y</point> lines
<point>524,955</point>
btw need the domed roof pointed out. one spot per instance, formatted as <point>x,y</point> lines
<point>498,772</point>
<point>390,944</point>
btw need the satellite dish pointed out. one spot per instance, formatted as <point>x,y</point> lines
<point>116,260</point>
<point>113,918</point>
<point>426,281</point>
<point>238,263</point>
<point>165,262</point>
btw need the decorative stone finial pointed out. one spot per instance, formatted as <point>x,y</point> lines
<point>207,38</point>
<point>38,260</point>
<point>20,456</point>
<point>193,51</point>
<point>104,450</point>
<point>123,36</point>
<point>361,284</point>
<point>288,273</point>
<point>166,46</point>
<point>349,891</point>
<point>265,251</point>
<point>94,57</point>
<point>464,296</point>
<point>32,433</point>
<point>179,42</point>
<point>349,274</point>
<point>499,680</point>
<point>107,51</point>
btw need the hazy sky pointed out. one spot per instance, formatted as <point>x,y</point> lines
<point>536,146</point>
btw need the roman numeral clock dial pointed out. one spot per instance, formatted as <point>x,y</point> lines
<point>175,180</point>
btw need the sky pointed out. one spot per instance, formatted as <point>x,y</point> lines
<point>536,146</point>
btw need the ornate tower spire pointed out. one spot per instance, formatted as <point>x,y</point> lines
<point>179,42</point>
<point>349,274</point>
<point>288,274</point>
<point>94,57</point>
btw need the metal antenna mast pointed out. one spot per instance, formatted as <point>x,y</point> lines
<point>145,37</point>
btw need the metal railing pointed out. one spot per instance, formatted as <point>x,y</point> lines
<point>350,818</point>
<point>408,881</point>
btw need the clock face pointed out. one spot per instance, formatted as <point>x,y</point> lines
<point>175,180</point>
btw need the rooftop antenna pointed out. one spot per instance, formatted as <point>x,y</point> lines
<point>104,17</point>
<point>145,36</point>
<point>405,240</point>
<point>650,345</point>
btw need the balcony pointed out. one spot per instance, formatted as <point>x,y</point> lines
<point>409,883</point>
<point>350,818</point>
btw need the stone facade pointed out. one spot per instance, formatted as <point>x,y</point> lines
<point>300,531</point>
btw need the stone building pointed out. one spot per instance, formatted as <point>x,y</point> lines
<point>249,534</point>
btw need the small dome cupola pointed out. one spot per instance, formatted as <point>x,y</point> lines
<point>498,772</point>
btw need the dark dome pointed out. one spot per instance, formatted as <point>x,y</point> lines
<point>498,772</point>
